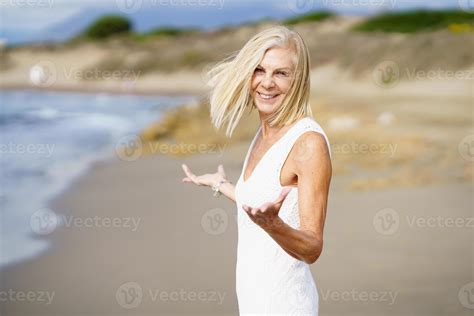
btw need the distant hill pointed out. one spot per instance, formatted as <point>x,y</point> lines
<point>206,18</point>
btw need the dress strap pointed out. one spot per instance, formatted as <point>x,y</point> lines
<point>305,125</point>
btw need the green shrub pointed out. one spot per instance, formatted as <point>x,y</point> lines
<point>414,21</point>
<point>108,25</point>
<point>162,32</point>
<point>169,31</point>
<point>310,17</point>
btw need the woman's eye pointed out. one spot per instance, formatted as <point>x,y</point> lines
<point>282,73</point>
<point>258,70</point>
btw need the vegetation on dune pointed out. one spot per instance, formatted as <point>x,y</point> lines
<point>415,21</point>
<point>398,22</point>
<point>170,31</point>
<point>164,32</point>
<point>461,27</point>
<point>107,26</point>
<point>316,16</point>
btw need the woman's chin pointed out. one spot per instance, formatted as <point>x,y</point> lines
<point>266,108</point>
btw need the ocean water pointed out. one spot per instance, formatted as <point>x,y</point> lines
<point>47,139</point>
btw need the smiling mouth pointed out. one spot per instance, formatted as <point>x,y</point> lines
<point>267,96</point>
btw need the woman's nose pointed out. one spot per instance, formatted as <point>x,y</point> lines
<point>267,81</point>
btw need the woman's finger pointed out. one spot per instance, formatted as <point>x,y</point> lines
<point>220,170</point>
<point>186,170</point>
<point>253,211</point>
<point>190,175</point>
<point>283,195</point>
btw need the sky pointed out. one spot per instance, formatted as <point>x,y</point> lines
<point>19,17</point>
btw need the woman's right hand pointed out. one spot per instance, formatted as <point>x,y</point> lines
<point>205,179</point>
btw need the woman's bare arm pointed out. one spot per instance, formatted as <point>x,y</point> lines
<point>314,170</point>
<point>226,188</point>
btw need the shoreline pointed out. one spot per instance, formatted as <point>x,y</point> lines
<point>98,90</point>
<point>61,173</point>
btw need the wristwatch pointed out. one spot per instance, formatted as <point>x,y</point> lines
<point>215,188</point>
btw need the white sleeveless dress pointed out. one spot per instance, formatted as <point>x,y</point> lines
<point>268,280</point>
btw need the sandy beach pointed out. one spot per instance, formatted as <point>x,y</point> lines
<point>167,247</point>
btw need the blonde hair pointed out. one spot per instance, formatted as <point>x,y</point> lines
<point>230,80</point>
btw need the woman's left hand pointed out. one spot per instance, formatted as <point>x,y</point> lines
<point>266,216</point>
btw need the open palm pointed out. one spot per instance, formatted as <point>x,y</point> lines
<point>208,179</point>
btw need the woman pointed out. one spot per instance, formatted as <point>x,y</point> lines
<point>282,192</point>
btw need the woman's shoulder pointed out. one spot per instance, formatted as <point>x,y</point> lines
<point>318,139</point>
<point>309,122</point>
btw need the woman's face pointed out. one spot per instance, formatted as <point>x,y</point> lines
<point>272,79</point>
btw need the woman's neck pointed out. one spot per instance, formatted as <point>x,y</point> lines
<point>270,132</point>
